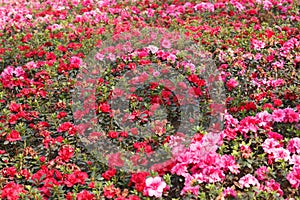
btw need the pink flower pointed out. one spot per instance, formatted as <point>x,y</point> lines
<point>295,160</point>
<point>188,185</point>
<point>232,83</point>
<point>228,163</point>
<point>248,180</point>
<point>281,153</point>
<point>290,115</point>
<point>278,115</point>
<point>264,117</point>
<point>115,159</point>
<point>229,192</point>
<point>203,6</point>
<point>258,44</point>
<point>270,144</point>
<point>274,186</point>
<point>166,43</point>
<point>66,152</point>
<point>155,186</point>
<point>153,49</point>
<point>294,145</point>
<point>294,177</point>
<point>262,173</point>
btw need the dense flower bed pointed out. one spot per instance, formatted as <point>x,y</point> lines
<point>255,45</point>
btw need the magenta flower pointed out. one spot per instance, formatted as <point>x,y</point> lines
<point>232,83</point>
<point>278,115</point>
<point>155,186</point>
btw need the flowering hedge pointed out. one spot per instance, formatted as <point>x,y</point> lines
<point>255,47</point>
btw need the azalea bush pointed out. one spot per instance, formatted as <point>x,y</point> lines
<point>204,104</point>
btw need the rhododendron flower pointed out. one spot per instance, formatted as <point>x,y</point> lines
<point>229,192</point>
<point>9,171</point>
<point>264,118</point>
<point>12,191</point>
<point>275,135</point>
<point>272,185</point>
<point>270,144</point>
<point>189,185</point>
<point>165,43</point>
<point>258,44</point>
<point>111,191</point>
<point>262,173</point>
<point>294,177</point>
<point>278,115</point>
<point>248,180</point>
<point>77,177</point>
<point>13,136</point>
<point>115,160</point>
<point>67,126</point>
<point>294,145</point>
<point>155,186</point>
<point>281,153</point>
<point>295,160</point>
<point>85,195</point>
<point>205,6</point>
<point>139,180</point>
<point>109,174</point>
<point>290,115</point>
<point>66,152</point>
<point>246,151</point>
<point>153,49</point>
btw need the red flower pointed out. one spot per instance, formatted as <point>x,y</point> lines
<point>109,173</point>
<point>61,115</point>
<point>139,179</point>
<point>113,134</point>
<point>85,195</point>
<point>9,171</point>
<point>277,102</point>
<point>13,136</point>
<point>67,126</point>
<point>11,191</point>
<point>75,178</point>
<point>105,108</point>
<point>14,107</point>
<point>111,191</point>
<point>66,152</point>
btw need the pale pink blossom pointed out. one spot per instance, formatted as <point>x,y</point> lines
<point>281,153</point>
<point>264,118</point>
<point>165,43</point>
<point>155,186</point>
<point>295,160</point>
<point>270,144</point>
<point>248,180</point>
<point>258,45</point>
